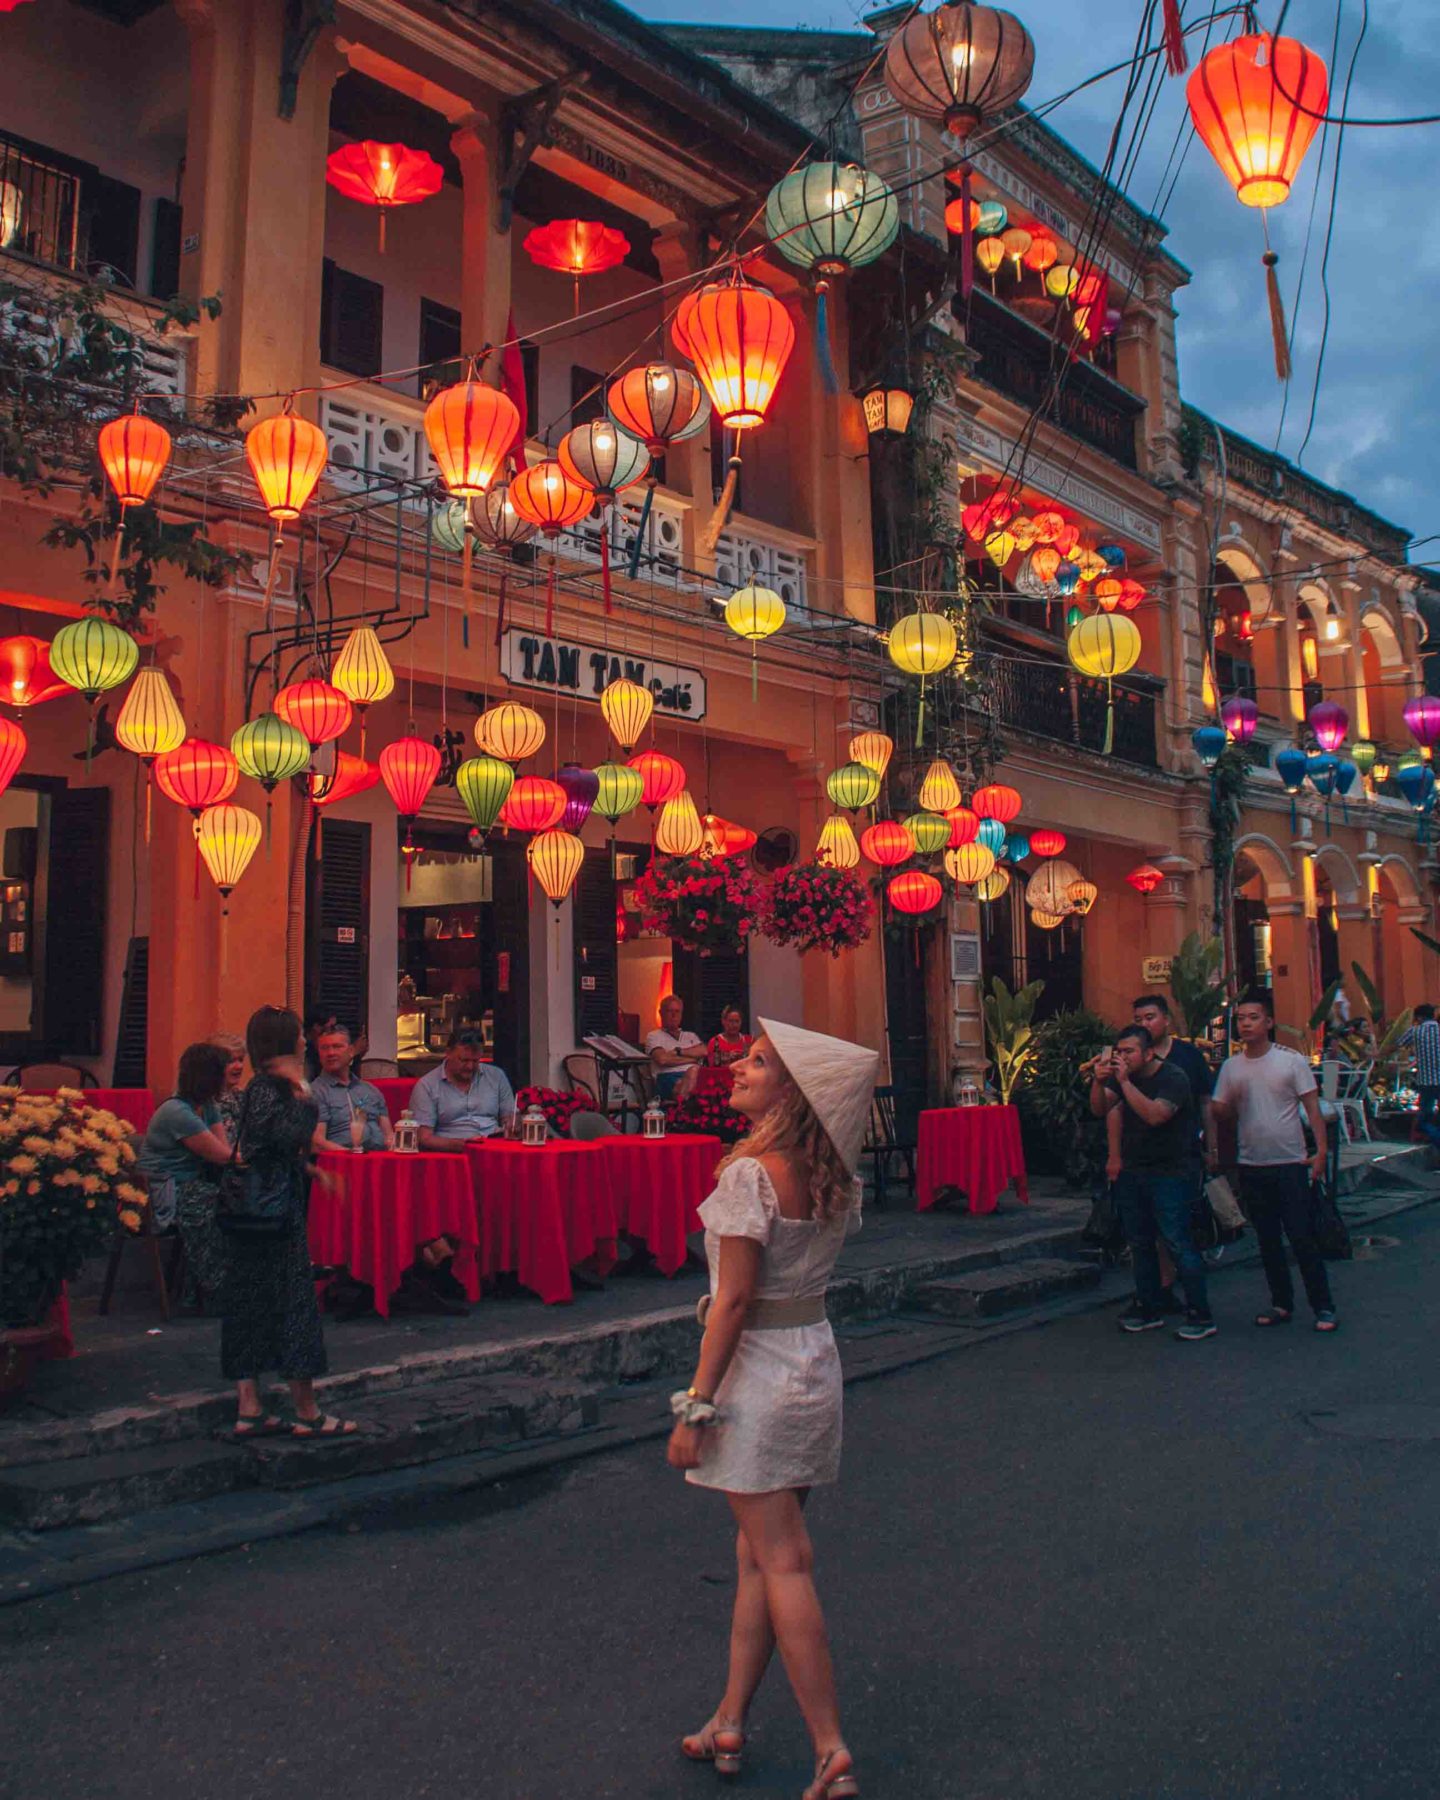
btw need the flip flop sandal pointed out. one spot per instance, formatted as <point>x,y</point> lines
<point>323,1425</point>
<point>1274,1317</point>
<point>255,1425</point>
<point>1325,1320</point>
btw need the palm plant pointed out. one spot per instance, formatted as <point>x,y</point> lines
<point>1008,1023</point>
<point>1196,982</point>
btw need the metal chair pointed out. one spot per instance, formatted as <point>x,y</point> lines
<point>583,1075</point>
<point>883,1142</point>
<point>586,1126</point>
<point>1350,1100</point>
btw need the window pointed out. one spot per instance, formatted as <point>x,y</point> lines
<point>352,320</point>
<point>719,464</point>
<point>587,395</point>
<point>439,345</point>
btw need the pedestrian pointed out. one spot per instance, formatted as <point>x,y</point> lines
<point>1150,1131</point>
<point>1264,1088</point>
<point>184,1149</point>
<point>1423,1038</point>
<point>761,1421</point>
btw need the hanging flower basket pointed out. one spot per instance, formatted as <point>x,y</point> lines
<point>709,906</point>
<point>711,1114</point>
<point>64,1183</point>
<point>813,906</point>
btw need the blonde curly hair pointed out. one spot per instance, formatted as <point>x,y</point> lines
<point>791,1128</point>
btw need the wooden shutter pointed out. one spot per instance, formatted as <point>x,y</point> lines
<point>337,924</point>
<point>165,251</point>
<point>113,211</point>
<point>597,967</point>
<point>77,878</point>
<point>133,1031</point>
<point>510,921</point>
<point>352,320</point>
<point>440,343</point>
<point>708,984</point>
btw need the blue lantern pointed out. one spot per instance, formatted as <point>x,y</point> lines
<point>992,219</point>
<point>1416,781</point>
<point>1321,771</point>
<point>1208,742</point>
<point>1067,578</point>
<point>1292,766</point>
<point>992,835</point>
<point>1017,847</point>
<point>1347,774</point>
<point>1112,554</point>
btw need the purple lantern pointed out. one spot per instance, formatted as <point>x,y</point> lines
<point>1330,722</point>
<point>581,785</point>
<point>1422,720</point>
<point>1240,715</point>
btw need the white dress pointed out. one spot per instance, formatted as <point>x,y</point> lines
<point>782,1396</point>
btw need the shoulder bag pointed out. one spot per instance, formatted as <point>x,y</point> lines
<point>252,1204</point>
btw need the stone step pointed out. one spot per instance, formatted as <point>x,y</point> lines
<point>1364,1167</point>
<point>87,1490</point>
<point>982,1293</point>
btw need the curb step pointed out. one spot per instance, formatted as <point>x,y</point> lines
<point>88,1490</point>
<point>983,1293</point>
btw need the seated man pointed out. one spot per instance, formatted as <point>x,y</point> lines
<point>674,1054</point>
<point>343,1098</point>
<point>462,1099</point>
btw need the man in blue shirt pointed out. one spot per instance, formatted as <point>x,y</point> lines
<point>1423,1038</point>
<point>343,1097</point>
<point>462,1099</point>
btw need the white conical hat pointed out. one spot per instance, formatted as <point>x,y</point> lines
<point>837,1078</point>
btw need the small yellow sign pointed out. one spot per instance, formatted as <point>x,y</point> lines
<point>1155,968</point>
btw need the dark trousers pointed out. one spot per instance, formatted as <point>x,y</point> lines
<point>1277,1198</point>
<point>1429,1102</point>
<point>1154,1206</point>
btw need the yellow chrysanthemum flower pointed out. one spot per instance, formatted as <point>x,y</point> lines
<point>92,1184</point>
<point>21,1165</point>
<point>129,1219</point>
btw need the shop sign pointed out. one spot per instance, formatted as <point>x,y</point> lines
<point>1155,968</point>
<point>529,659</point>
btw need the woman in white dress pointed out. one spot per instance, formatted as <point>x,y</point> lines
<point>762,1419</point>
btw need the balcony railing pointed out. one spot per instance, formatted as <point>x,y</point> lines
<point>40,208</point>
<point>1023,361</point>
<point>1050,699</point>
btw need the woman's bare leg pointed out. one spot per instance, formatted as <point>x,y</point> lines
<point>752,1637</point>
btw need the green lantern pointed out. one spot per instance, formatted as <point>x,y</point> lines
<point>931,831</point>
<point>853,786</point>
<point>1362,754</point>
<point>483,784</point>
<point>831,217</point>
<point>620,790</point>
<point>1407,759</point>
<point>448,526</point>
<point>269,749</point>
<point>93,655</point>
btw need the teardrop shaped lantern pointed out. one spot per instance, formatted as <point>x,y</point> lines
<point>1422,720</point>
<point>408,768</point>
<point>228,837</point>
<point>26,677</point>
<point>874,749</point>
<point>661,777</point>
<point>287,456</point>
<point>887,843</point>
<point>678,831</point>
<point>270,750</point>
<point>931,832</point>
<point>1082,895</point>
<point>959,65</point>
<point>13,745</point>
<point>626,708</point>
<point>133,452</point>
<point>852,786</point>
<point>510,731</point>
<point>620,791</point>
<point>93,656</point>
<point>383,175</point>
<point>969,863</point>
<point>739,337</point>
<point>992,834</point>
<point>197,774</point>
<point>837,845</point>
<point>535,803</point>
<point>149,723</point>
<point>660,404</point>
<point>483,784</point>
<point>555,859</point>
<point>1240,715</point>
<point>996,801</point>
<point>362,670</point>
<point>1330,722</point>
<point>939,791</point>
<point>602,457</point>
<point>469,428</point>
<point>1255,103</point>
<point>831,217</point>
<point>581,785</point>
<point>320,712</point>
<point>913,891</point>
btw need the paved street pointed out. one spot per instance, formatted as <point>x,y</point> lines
<point>1066,1564</point>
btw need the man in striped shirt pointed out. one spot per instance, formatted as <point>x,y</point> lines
<point>1423,1038</point>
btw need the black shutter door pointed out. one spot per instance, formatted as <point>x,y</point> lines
<point>708,984</point>
<point>165,251</point>
<point>77,876</point>
<point>132,1033</point>
<point>597,995</point>
<point>113,208</point>
<point>510,938</point>
<point>337,959</point>
<point>352,319</point>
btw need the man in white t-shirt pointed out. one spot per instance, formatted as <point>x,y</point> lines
<point>1265,1089</point>
<point>674,1054</point>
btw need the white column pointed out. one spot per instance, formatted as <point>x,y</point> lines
<point>552,988</point>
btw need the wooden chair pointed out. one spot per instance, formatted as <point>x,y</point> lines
<point>883,1143</point>
<point>582,1075</point>
<point>166,1285</point>
<point>45,1077</point>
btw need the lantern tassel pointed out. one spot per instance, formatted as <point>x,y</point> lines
<point>920,716</point>
<point>829,379</point>
<point>637,543</point>
<point>500,606</point>
<point>754,673</point>
<point>408,852</point>
<point>1176,59</point>
<point>269,807</point>
<point>723,505</point>
<point>605,564</point>
<point>466,560</point>
<point>967,237</point>
<point>147,802</point>
<point>1277,317</point>
<point>550,599</point>
<point>1109,717</point>
<point>195,885</point>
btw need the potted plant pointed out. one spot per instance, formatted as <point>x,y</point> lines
<point>814,906</point>
<point>711,1114</point>
<point>1197,983</point>
<point>1007,1024</point>
<point>1054,1098</point>
<point>708,905</point>
<point>559,1108</point>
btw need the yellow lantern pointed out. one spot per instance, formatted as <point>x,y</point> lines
<point>228,836</point>
<point>1104,645</point>
<point>838,845</point>
<point>994,885</point>
<point>939,791</point>
<point>1082,895</point>
<point>1046,921</point>
<point>679,831</point>
<point>510,731</point>
<point>150,722</point>
<point>990,253</point>
<point>555,858</point>
<point>1000,546</point>
<point>754,613</point>
<point>969,864</point>
<point>922,643</point>
<point>362,670</point>
<point>1023,532</point>
<point>626,708</point>
<point>874,749</point>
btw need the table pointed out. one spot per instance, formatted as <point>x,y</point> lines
<point>135,1106</point>
<point>976,1148</point>
<point>542,1208</point>
<point>395,1091</point>
<point>657,1184</point>
<point>384,1206</point>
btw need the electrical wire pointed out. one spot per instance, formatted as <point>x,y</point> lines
<point>1343,117</point>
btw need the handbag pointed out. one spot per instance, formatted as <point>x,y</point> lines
<point>1332,1235</point>
<point>253,1205</point>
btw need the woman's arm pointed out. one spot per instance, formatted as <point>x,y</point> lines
<point>208,1145</point>
<point>735,1292</point>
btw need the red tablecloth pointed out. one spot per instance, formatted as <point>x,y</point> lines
<point>64,1345</point>
<point>542,1208</point>
<point>976,1148</point>
<point>384,1206</point>
<point>657,1184</point>
<point>136,1106</point>
<point>395,1090</point>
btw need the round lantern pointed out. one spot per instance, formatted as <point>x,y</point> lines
<point>660,404</point>
<point>1145,879</point>
<point>287,456</point>
<point>1046,842</point>
<point>1422,720</point>
<point>483,784</point>
<point>994,885</point>
<point>754,613</point>
<point>1061,280</point>
<point>1049,887</point>
<point>964,825</point>
<point>383,175</point>
<point>227,836</point>
<point>837,844</point>
<point>1016,241</point>
<point>26,677</point>
<point>1330,722</point>
<point>555,859</point>
<point>1017,847</point>
<point>1082,895</point>
<point>969,863</point>
<point>852,786</point>
<point>602,457</point>
<point>13,745</point>
<point>577,247</point>
<point>992,834</point>
<point>831,217</point>
<point>362,670</point>
<point>447,527</point>
<point>320,712</point>
<point>1104,645</point>
<point>133,452</point>
<point>996,801</point>
<point>535,803</point>
<point>581,786</point>
<point>197,774</point>
<point>626,708</point>
<point>678,831</point>
<point>1023,532</point>
<point>1363,754</point>
<point>149,722</point>
<point>269,749</point>
<point>922,643</point>
<point>510,731</point>
<point>939,791</point>
<point>739,337</point>
<point>887,843</point>
<point>1046,921</point>
<point>1240,715</point>
<point>469,427</point>
<point>959,64</point>
<point>549,498</point>
<point>1256,103</point>
<point>874,749</point>
<point>496,521</point>
<point>661,777</point>
<point>930,831</point>
<point>1042,254</point>
<point>93,656</point>
<point>620,791</point>
<point>913,891</point>
<point>990,253</point>
<point>408,768</point>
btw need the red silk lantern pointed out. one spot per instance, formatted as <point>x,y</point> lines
<point>1045,559</point>
<point>12,751</point>
<point>964,825</point>
<point>1131,594</point>
<point>1146,878</point>
<point>996,802</point>
<point>577,247</point>
<point>1066,538</point>
<point>662,776</point>
<point>318,711</point>
<point>133,452</point>
<point>549,498</point>
<point>1048,526</point>
<point>383,175</point>
<point>724,838</point>
<point>913,891</point>
<point>739,337</point>
<point>197,774</point>
<point>1046,842</point>
<point>287,457</point>
<point>887,843</point>
<point>1043,253</point>
<point>534,804</point>
<point>26,677</point>
<point>1108,592</point>
<point>1255,104</point>
<point>351,775</point>
<point>986,516</point>
<point>408,768</point>
<point>469,428</point>
<point>659,404</point>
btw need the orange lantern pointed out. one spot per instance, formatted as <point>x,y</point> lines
<point>913,891</point>
<point>1046,842</point>
<point>348,775</point>
<point>469,427</point>
<point>1045,559</point>
<point>318,711</point>
<point>197,774</point>
<point>887,843</point>
<point>383,175</point>
<point>548,497</point>
<point>1066,538</point>
<point>1108,592</point>
<point>1016,241</point>
<point>724,838</point>
<point>1131,594</point>
<point>1146,878</point>
<point>26,677</point>
<point>996,802</point>
<point>287,457</point>
<point>739,337</point>
<point>964,825</point>
<point>577,246</point>
<point>133,452</point>
<point>408,768</point>
<point>1043,253</point>
<point>662,776</point>
<point>1048,526</point>
<point>12,751</point>
<point>1255,103</point>
<point>535,803</point>
<point>990,253</point>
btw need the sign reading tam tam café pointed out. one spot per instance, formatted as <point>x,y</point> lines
<point>530,659</point>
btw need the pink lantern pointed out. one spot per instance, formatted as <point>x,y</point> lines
<point>1422,720</point>
<point>1330,722</point>
<point>1240,715</point>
